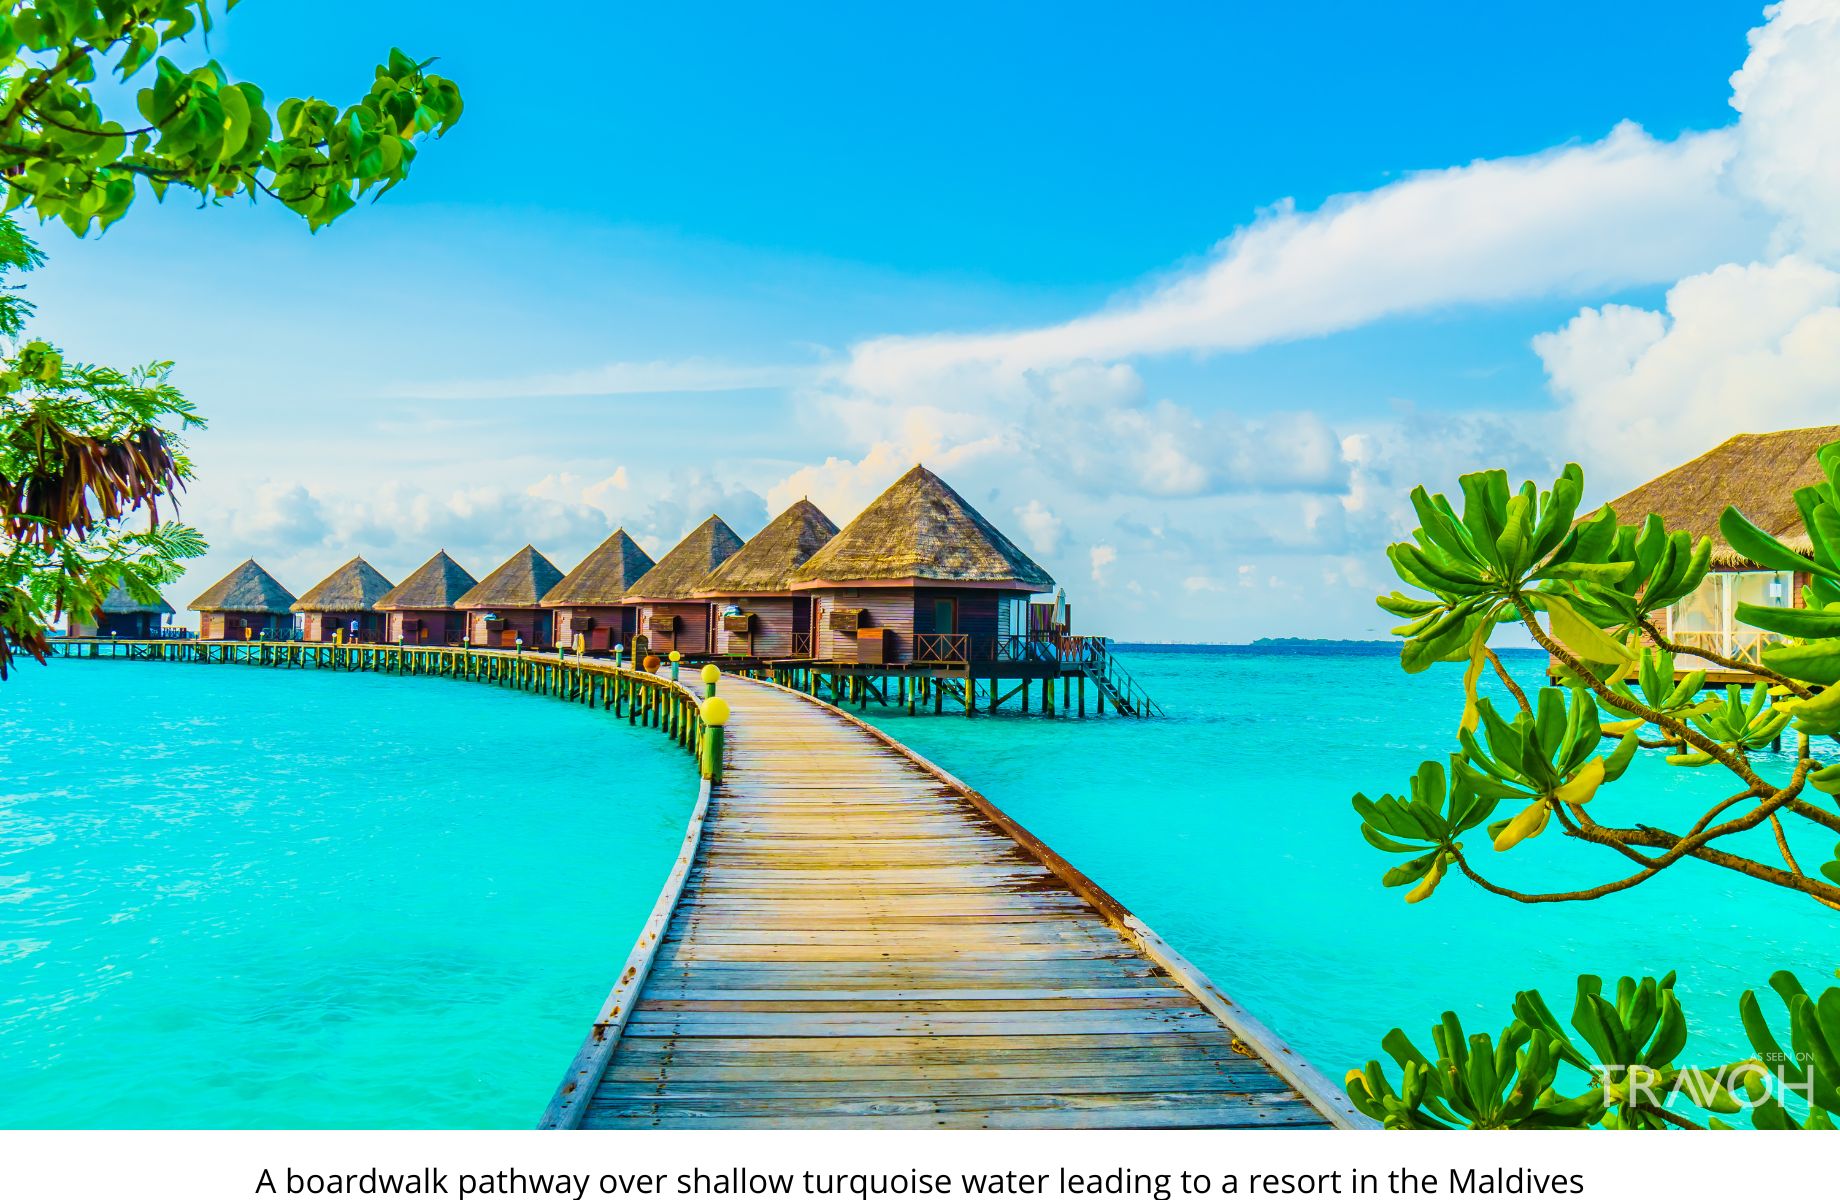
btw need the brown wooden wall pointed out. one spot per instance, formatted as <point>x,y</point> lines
<point>231,626</point>
<point>322,626</point>
<point>776,619</point>
<point>425,627</point>
<point>533,624</point>
<point>889,608</point>
<point>692,632</point>
<point>602,626</point>
<point>121,625</point>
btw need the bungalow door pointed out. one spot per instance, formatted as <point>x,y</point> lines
<point>945,624</point>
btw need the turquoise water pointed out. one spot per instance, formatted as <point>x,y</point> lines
<point>229,898</point>
<point>1227,828</point>
<point>233,899</point>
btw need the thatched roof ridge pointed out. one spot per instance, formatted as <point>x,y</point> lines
<point>118,601</point>
<point>248,588</point>
<point>354,587</point>
<point>436,584</point>
<point>921,529</point>
<point>521,581</point>
<point>1758,472</point>
<point>604,576</point>
<point>766,562</point>
<point>679,572</point>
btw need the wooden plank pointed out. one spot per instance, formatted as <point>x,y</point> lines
<point>856,944</point>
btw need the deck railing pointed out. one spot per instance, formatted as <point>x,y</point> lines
<point>801,645</point>
<point>1745,645</point>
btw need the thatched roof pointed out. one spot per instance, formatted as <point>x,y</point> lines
<point>921,529</point>
<point>766,563</point>
<point>354,587</point>
<point>678,573</point>
<point>436,584</point>
<point>247,589</point>
<point>520,582</point>
<point>604,576</point>
<point>1758,472</point>
<point>118,601</point>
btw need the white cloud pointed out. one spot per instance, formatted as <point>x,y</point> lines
<point>1202,583</point>
<point>1041,527</point>
<point>1789,151</point>
<point>1741,348</point>
<point>1101,557</point>
<point>1624,210</point>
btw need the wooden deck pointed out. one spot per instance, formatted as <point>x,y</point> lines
<point>854,939</point>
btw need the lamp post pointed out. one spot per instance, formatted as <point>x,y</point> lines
<point>711,673</point>
<point>675,659</point>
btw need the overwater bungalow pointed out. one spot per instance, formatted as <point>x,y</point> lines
<point>247,603</point>
<point>506,607</point>
<point>757,614</point>
<point>122,616</point>
<point>420,610</point>
<point>671,614</point>
<point>344,603</point>
<point>590,602</point>
<point>1758,472</point>
<point>920,577</point>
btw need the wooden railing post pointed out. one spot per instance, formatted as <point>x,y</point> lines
<point>715,719</point>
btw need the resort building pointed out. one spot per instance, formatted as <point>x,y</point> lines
<point>506,607</point>
<point>1759,473</point>
<point>590,602</point>
<point>344,603</point>
<point>247,603</point>
<point>122,616</point>
<point>671,615</point>
<point>420,610</point>
<point>920,577</point>
<point>757,614</point>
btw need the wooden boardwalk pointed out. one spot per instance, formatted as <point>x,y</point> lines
<point>854,939</point>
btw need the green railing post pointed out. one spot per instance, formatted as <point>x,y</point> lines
<point>711,673</point>
<point>715,717</point>
<point>676,658</point>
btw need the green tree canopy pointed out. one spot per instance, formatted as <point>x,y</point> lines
<point>66,158</point>
<point>83,448</point>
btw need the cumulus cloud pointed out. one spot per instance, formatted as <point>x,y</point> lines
<point>1789,150</point>
<point>1101,557</point>
<point>1737,349</point>
<point>1041,527</point>
<point>1627,209</point>
<point>1749,345</point>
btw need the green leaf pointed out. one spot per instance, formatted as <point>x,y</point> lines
<point>1796,622</point>
<point>1582,638</point>
<point>1747,540</point>
<point>1810,662</point>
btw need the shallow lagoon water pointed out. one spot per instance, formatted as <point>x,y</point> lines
<point>1227,828</point>
<point>237,897</point>
<point>232,897</point>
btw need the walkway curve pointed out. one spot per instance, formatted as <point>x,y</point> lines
<point>853,938</point>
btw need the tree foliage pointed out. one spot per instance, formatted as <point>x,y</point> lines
<point>83,448</point>
<point>1588,591</point>
<point>1615,1065</point>
<point>64,156</point>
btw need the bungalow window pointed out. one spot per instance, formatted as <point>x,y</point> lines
<point>1708,619</point>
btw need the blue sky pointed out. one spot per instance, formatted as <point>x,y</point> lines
<point>1185,300</point>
